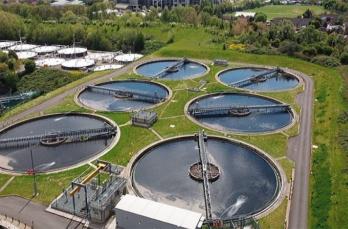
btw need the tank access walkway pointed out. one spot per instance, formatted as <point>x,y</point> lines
<point>170,69</point>
<point>59,137</point>
<point>257,78</point>
<point>212,111</point>
<point>128,94</point>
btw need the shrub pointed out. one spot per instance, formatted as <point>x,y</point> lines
<point>46,80</point>
<point>327,61</point>
<point>3,57</point>
<point>344,58</point>
<point>309,51</point>
<point>29,66</point>
<point>289,47</point>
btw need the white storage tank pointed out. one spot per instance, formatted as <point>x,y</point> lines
<point>138,213</point>
<point>128,58</point>
<point>73,52</point>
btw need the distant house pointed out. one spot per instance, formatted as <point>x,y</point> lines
<point>245,14</point>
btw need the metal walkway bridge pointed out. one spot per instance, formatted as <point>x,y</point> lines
<point>229,110</point>
<point>201,139</point>
<point>72,135</point>
<point>172,68</point>
<point>128,94</point>
<point>257,78</point>
<point>22,96</point>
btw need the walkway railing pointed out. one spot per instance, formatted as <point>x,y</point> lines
<point>201,139</point>
<point>73,135</point>
<point>128,94</point>
<point>171,68</point>
<point>257,78</point>
<point>228,110</point>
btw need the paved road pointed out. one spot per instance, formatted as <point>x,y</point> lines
<point>34,214</point>
<point>59,98</point>
<point>299,150</point>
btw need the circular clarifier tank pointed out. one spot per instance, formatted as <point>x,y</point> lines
<point>258,79</point>
<point>176,69</point>
<point>240,113</point>
<point>124,95</point>
<point>58,142</point>
<point>248,181</point>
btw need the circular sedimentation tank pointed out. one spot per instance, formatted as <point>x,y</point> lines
<point>77,64</point>
<point>26,55</point>
<point>240,113</point>
<point>127,58</point>
<point>51,151</point>
<point>49,62</point>
<point>22,47</point>
<point>246,180</point>
<point>279,81</point>
<point>47,49</point>
<point>124,95</point>
<point>72,52</point>
<point>7,44</point>
<point>173,69</point>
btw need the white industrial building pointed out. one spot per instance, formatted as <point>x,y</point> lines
<point>138,213</point>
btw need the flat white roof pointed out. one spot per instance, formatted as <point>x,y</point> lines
<point>6,44</point>
<point>100,56</point>
<point>46,49</point>
<point>78,63</point>
<point>49,62</point>
<point>22,47</point>
<point>244,14</point>
<point>128,57</point>
<point>70,51</point>
<point>26,55</point>
<point>107,67</point>
<point>160,212</point>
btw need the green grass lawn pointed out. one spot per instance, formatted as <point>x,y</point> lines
<point>290,11</point>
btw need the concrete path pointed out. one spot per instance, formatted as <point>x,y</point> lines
<point>33,214</point>
<point>299,150</point>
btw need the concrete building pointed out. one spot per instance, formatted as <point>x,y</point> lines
<point>138,213</point>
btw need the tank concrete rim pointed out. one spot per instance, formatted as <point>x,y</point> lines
<point>277,168</point>
<point>79,164</point>
<point>169,97</point>
<point>292,112</point>
<point>172,59</point>
<point>300,80</point>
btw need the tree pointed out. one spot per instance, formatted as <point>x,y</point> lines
<point>3,57</point>
<point>96,40</point>
<point>310,35</point>
<point>11,26</point>
<point>308,14</point>
<point>29,66</point>
<point>289,47</point>
<point>139,42</point>
<point>344,58</point>
<point>165,17</point>
<point>260,17</point>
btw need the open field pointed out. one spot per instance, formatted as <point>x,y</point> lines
<point>290,11</point>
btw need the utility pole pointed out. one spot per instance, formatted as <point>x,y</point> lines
<point>33,174</point>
